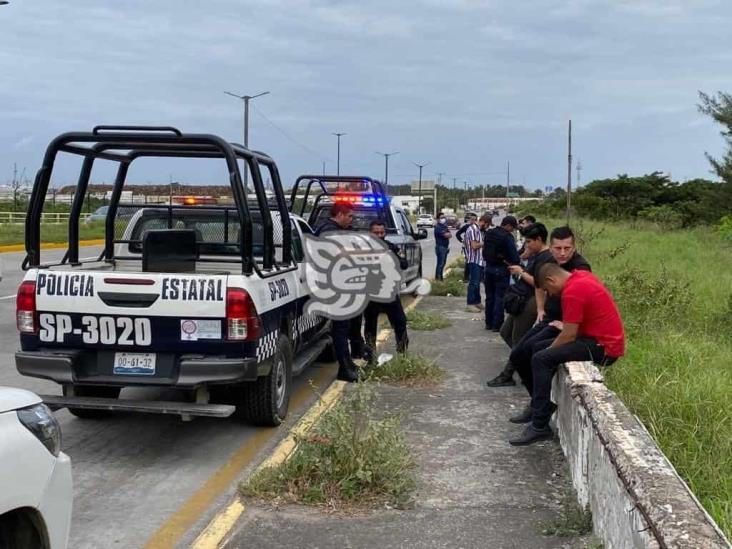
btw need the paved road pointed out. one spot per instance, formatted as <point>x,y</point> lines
<point>133,472</point>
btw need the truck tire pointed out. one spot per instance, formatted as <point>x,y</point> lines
<point>265,401</point>
<point>91,391</point>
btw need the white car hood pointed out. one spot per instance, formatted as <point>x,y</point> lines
<point>12,399</point>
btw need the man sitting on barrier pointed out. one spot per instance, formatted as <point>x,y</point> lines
<point>591,330</point>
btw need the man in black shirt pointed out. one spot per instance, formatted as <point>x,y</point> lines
<point>393,310</point>
<point>538,251</point>
<point>499,252</point>
<point>562,250</point>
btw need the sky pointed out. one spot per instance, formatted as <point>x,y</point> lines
<point>464,85</point>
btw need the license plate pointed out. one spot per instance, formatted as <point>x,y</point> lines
<point>134,364</point>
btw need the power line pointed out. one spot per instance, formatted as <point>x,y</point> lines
<point>290,138</point>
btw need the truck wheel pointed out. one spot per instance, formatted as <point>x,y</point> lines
<point>91,391</point>
<point>267,399</point>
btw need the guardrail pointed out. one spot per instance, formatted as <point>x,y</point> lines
<point>19,217</point>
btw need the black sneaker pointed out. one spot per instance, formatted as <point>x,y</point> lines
<point>530,435</point>
<point>501,380</point>
<point>349,373</point>
<point>522,417</point>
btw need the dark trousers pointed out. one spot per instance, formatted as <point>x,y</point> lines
<point>496,279</point>
<point>521,354</point>
<point>515,327</point>
<point>544,364</point>
<point>398,320</point>
<point>355,337</point>
<point>441,253</point>
<point>475,273</point>
<point>339,332</point>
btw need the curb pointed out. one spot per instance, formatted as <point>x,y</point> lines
<point>50,245</point>
<point>636,496</point>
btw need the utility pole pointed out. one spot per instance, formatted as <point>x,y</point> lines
<point>419,198</point>
<point>579,169</point>
<point>323,167</point>
<point>569,172</point>
<point>386,167</point>
<point>508,178</point>
<point>439,182</point>
<point>457,200</point>
<point>338,163</point>
<point>246,99</point>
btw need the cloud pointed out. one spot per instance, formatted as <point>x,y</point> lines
<point>466,84</point>
<point>23,142</point>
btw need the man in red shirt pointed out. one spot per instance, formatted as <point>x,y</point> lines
<point>592,330</point>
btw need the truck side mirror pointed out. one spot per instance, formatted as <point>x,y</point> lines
<point>421,234</point>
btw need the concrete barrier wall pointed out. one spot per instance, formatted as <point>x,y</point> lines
<point>636,497</point>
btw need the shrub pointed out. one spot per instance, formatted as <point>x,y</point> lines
<point>350,458</point>
<point>649,300</point>
<point>664,216</point>
<point>407,369</point>
<point>725,228</point>
<point>449,286</point>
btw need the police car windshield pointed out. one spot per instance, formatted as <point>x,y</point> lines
<point>362,218</point>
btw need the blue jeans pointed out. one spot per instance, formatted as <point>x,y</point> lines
<point>441,253</point>
<point>475,275</point>
<point>497,279</point>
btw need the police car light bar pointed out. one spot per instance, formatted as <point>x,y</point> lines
<point>367,199</point>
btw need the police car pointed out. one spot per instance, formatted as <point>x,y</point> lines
<point>205,298</point>
<point>312,197</point>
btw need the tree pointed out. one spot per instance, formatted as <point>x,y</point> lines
<point>720,109</point>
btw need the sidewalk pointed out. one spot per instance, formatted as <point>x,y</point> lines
<point>474,489</point>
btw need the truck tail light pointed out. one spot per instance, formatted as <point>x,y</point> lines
<point>242,320</point>
<point>25,307</point>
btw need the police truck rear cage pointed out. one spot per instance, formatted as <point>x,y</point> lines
<point>124,144</point>
<point>376,192</point>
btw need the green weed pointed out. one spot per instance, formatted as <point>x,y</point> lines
<point>408,369</point>
<point>450,286</point>
<point>350,459</point>
<point>425,320</point>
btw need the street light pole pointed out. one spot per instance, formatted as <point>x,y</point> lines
<point>338,162</point>
<point>386,167</point>
<point>246,99</point>
<point>419,198</point>
<point>569,172</point>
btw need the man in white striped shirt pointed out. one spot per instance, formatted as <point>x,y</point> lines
<point>473,243</point>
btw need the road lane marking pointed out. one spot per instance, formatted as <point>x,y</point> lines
<point>181,521</point>
<point>7,297</point>
<point>224,521</point>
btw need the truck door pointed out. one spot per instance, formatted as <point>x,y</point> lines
<point>306,326</point>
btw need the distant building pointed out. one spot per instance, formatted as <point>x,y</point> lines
<point>407,202</point>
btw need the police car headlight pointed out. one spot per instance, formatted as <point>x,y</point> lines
<point>40,421</point>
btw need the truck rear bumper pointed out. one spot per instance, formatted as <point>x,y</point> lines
<point>75,367</point>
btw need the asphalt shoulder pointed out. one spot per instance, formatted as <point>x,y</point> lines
<point>474,489</point>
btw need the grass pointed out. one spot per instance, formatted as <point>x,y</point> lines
<point>674,291</point>
<point>408,369</point>
<point>427,321</point>
<point>450,286</point>
<point>50,232</point>
<point>574,521</point>
<point>351,460</point>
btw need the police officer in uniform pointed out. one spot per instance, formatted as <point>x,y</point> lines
<point>341,217</point>
<point>394,310</point>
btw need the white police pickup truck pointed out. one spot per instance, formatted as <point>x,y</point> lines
<point>205,298</point>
